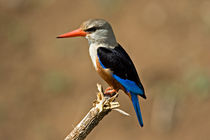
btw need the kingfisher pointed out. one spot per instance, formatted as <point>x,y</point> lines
<point>111,61</point>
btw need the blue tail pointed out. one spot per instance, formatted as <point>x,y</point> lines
<point>136,106</point>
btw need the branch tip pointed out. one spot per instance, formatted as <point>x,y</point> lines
<point>101,107</point>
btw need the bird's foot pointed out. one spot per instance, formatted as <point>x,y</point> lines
<point>110,91</point>
<point>105,102</point>
<point>109,88</point>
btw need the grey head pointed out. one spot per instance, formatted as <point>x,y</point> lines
<point>99,31</point>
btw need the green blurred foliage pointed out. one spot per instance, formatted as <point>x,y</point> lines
<point>56,82</point>
<point>198,82</point>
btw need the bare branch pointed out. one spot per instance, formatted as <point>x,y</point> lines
<point>101,107</point>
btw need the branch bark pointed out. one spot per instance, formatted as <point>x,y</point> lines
<point>101,107</point>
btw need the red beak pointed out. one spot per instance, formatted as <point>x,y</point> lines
<point>78,32</point>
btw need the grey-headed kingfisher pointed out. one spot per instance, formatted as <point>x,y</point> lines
<point>111,61</point>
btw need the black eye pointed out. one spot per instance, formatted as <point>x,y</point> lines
<point>93,29</point>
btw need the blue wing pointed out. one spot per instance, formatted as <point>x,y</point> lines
<point>129,85</point>
<point>118,61</point>
<point>137,109</point>
<point>124,71</point>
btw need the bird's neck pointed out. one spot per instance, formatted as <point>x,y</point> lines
<point>105,41</point>
<point>103,44</point>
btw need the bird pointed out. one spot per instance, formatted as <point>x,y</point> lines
<point>111,61</point>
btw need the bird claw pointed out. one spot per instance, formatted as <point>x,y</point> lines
<point>110,92</point>
<point>103,102</point>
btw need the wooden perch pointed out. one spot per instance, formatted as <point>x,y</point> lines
<point>101,107</point>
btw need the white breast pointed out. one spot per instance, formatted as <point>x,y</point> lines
<point>93,53</point>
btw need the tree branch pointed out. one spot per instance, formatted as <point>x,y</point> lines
<point>101,107</point>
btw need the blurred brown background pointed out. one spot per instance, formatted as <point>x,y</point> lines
<point>47,85</point>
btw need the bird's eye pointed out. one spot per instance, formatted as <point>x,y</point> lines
<point>93,29</point>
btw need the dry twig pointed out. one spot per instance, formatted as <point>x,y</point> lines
<point>101,107</point>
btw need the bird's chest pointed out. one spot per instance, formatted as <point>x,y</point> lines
<point>106,74</point>
<point>93,54</point>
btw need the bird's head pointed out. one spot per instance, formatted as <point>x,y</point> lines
<point>95,30</point>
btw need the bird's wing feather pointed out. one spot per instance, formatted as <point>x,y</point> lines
<point>136,106</point>
<point>118,61</point>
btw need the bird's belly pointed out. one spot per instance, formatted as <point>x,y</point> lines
<point>106,74</point>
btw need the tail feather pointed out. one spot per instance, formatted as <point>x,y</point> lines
<point>136,106</point>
